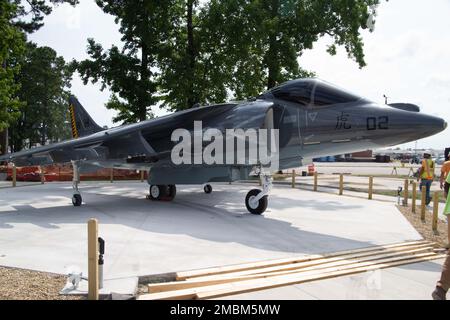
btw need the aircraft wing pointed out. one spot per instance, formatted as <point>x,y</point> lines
<point>119,143</point>
<point>128,142</point>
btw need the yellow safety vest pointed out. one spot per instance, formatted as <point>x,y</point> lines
<point>427,169</point>
<point>448,179</point>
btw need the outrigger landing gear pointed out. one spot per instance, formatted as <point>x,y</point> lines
<point>257,200</point>
<point>163,192</point>
<point>208,188</point>
<point>77,200</point>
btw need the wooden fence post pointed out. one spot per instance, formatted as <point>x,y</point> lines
<point>42,175</point>
<point>341,184</point>
<point>370,188</point>
<point>14,176</point>
<point>423,204</point>
<point>111,175</point>
<point>142,175</point>
<point>93,285</point>
<point>316,181</point>
<point>414,197</point>
<point>406,193</point>
<point>435,211</point>
<point>293,179</point>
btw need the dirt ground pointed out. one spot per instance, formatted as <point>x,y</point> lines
<point>18,284</point>
<point>425,228</point>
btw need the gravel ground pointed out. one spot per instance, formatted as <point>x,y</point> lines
<point>425,228</point>
<point>18,284</point>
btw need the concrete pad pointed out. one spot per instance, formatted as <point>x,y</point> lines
<point>41,230</point>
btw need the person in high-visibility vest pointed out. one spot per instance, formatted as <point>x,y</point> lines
<point>447,211</point>
<point>426,175</point>
<point>444,173</point>
<point>443,285</point>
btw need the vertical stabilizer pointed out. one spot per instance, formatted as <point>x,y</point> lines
<point>81,121</point>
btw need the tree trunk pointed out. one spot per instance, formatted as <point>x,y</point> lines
<point>272,54</point>
<point>145,76</point>
<point>190,54</point>
<point>4,142</point>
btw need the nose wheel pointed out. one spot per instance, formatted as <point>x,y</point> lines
<point>254,205</point>
<point>258,200</point>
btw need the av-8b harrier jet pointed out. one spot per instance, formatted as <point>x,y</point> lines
<point>312,118</point>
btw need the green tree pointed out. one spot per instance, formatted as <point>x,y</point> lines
<point>12,43</point>
<point>17,18</point>
<point>183,52</point>
<point>29,14</point>
<point>45,80</point>
<point>192,61</point>
<point>264,39</point>
<point>131,73</point>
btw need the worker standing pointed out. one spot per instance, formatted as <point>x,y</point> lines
<point>444,174</point>
<point>443,285</point>
<point>426,175</point>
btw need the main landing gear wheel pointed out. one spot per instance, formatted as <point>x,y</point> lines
<point>171,192</point>
<point>163,192</point>
<point>157,192</point>
<point>77,200</point>
<point>255,206</point>
<point>208,189</point>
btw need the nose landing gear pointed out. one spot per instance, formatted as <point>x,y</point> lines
<point>257,200</point>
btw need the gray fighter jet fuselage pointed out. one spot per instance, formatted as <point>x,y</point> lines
<point>314,119</point>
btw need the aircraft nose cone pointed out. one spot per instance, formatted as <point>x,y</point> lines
<point>410,126</point>
<point>438,124</point>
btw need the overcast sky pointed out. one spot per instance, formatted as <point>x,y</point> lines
<point>408,57</point>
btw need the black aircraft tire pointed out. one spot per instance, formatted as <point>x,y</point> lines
<point>171,192</point>
<point>262,203</point>
<point>157,193</point>
<point>208,189</point>
<point>77,200</point>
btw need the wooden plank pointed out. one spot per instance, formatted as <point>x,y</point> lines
<point>212,280</point>
<point>414,197</point>
<point>239,289</point>
<point>318,262</point>
<point>253,265</point>
<point>221,290</point>
<point>309,266</point>
<point>93,285</point>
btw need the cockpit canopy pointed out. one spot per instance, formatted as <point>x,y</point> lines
<point>311,93</point>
